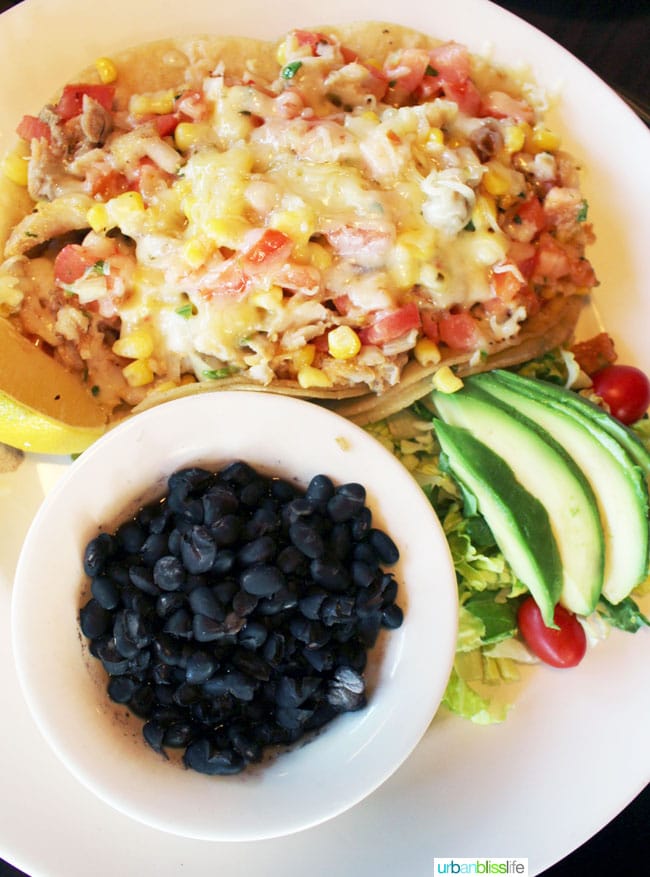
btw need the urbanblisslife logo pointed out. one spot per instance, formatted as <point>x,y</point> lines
<point>518,867</point>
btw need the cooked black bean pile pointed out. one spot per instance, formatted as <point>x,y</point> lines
<point>237,612</point>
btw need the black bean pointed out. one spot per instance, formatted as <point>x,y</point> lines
<point>123,643</point>
<point>200,756</point>
<point>238,472</point>
<point>366,554</point>
<point>254,492</point>
<point>178,734</point>
<point>121,688</point>
<point>330,574</point>
<point>262,580</point>
<point>392,617</point>
<point>320,490</point>
<point>320,659</point>
<point>346,691</point>
<point>153,732</point>
<point>252,635</point>
<point>282,490</point>
<point>206,629</point>
<point>153,548</point>
<point>225,531</point>
<point>130,537</point>
<point>290,560</point>
<point>336,610</point>
<point>310,604</point>
<point>198,550</point>
<point>169,573</point>
<point>294,692</point>
<point>204,601</point>
<point>105,591</point>
<point>292,718</point>
<point>251,664</point>
<point>225,590</point>
<point>97,553</point>
<point>169,602</point>
<point>361,524</point>
<point>306,538</point>
<point>274,648</point>
<point>384,546</point>
<point>220,500</point>
<point>362,573</point>
<point>142,578</point>
<point>260,550</point>
<point>94,620</point>
<point>281,601</point>
<point>344,506</point>
<point>244,603</point>
<point>114,662</point>
<point>200,666</point>
<point>224,562</point>
<point>179,624</point>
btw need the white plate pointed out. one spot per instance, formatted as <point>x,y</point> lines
<point>574,752</point>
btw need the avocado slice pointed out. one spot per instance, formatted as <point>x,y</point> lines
<point>618,483</point>
<point>519,522</point>
<point>586,408</point>
<point>545,470</point>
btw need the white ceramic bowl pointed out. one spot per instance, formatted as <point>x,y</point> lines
<point>65,687</point>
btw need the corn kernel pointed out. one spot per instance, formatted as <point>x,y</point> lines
<point>404,265</point>
<point>189,134</point>
<point>514,137</point>
<point>136,345</point>
<point>304,356</point>
<point>421,240</point>
<point>15,168</point>
<point>156,103</point>
<point>138,373</point>
<point>370,116</point>
<point>195,253</point>
<point>435,138</point>
<point>227,232</point>
<point>343,343</point>
<point>97,217</point>
<point>308,376</point>
<point>446,381</point>
<point>542,140</point>
<point>268,299</point>
<point>484,214</point>
<point>299,224</point>
<point>427,352</point>
<point>319,257</point>
<point>281,53</point>
<point>106,69</point>
<point>495,183</point>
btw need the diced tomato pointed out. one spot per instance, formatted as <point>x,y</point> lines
<point>71,101</point>
<point>272,246</point>
<point>451,66</point>
<point>551,260</point>
<point>430,325</point>
<point>71,263</point>
<point>582,272</point>
<point>459,331</point>
<point>594,353</point>
<point>166,123</point>
<point>465,94</point>
<point>348,55</point>
<point>506,284</point>
<point>527,220</point>
<point>296,277</point>
<point>33,128</point>
<point>406,71</point>
<point>389,325</point>
<point>231,281</point>
<point>107,185</point>
<point>149,178</point>
<point>311,39</point>
<point>523,255</point>
<point>342,304</point>
<point>501,105</point>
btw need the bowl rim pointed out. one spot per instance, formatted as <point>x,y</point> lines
<point>371,744</point>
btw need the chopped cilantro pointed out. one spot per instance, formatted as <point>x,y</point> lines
<point>582,214</point>
<point>430,71</point>
<point>289,70</point>
<point>216,374</point>
<point>185,310</point>
<point>470,226</point>
<point>95,390</point>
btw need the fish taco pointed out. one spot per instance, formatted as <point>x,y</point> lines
<point>336,215</point>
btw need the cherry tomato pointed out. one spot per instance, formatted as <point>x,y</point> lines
<point>561,647</point>
<point>625,389</point>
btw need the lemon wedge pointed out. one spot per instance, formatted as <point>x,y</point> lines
<point>44,408</point>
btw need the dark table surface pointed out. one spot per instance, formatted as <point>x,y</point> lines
<point>612,37</point>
